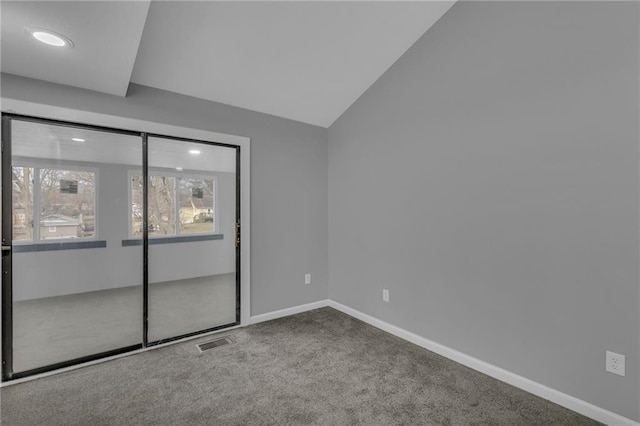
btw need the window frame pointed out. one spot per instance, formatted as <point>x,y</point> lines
<point>37,166</point>
<point>176,175</point>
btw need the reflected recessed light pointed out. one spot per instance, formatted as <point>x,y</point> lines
<point>194,151</point>
<point>50,37</point>
<point>77,139</point>
<point>179,169</point>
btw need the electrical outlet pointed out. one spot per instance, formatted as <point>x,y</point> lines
<point>615,363</point>
<point>385,295</point>
<point>307,278</point>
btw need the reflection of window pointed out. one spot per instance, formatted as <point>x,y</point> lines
<point>177,205</point>
<point>62,202</point>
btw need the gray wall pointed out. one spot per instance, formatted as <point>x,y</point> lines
<point>489,180</point>
<point>288,179</point>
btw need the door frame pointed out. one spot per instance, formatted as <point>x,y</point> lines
<point>124,124</point>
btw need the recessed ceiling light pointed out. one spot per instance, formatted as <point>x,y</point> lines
<point>50,37</point>
<point>194,151</point>
<point>179,169</point>
<point>77,139</point>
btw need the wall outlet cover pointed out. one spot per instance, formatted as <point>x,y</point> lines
<point>615,363</point>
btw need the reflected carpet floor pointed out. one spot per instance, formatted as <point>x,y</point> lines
<point>316,368</point>
<point>60,328</point>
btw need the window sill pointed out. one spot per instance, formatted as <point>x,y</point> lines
<point>173,239</point>
<point>67,245</point>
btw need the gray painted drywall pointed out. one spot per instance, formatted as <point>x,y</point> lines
<point>288,179</point>
<point>489,180</point>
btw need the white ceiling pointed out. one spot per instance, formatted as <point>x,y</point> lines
<point>48,142</point>
<point>303,60</point>
<point>106,36</point>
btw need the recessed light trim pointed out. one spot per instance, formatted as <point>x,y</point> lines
<point>49,37</point>
<point>77,139</point>
<point>194,151</point>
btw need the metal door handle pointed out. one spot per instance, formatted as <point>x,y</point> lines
<point>6,248</point>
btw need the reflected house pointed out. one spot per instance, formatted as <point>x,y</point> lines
<point>197,210</point>
<point>59,226</point>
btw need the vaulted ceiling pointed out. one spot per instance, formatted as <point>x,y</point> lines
<point>303,60</point>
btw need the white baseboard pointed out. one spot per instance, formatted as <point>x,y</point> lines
<point>289,311</point>
<point>568,401</point>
